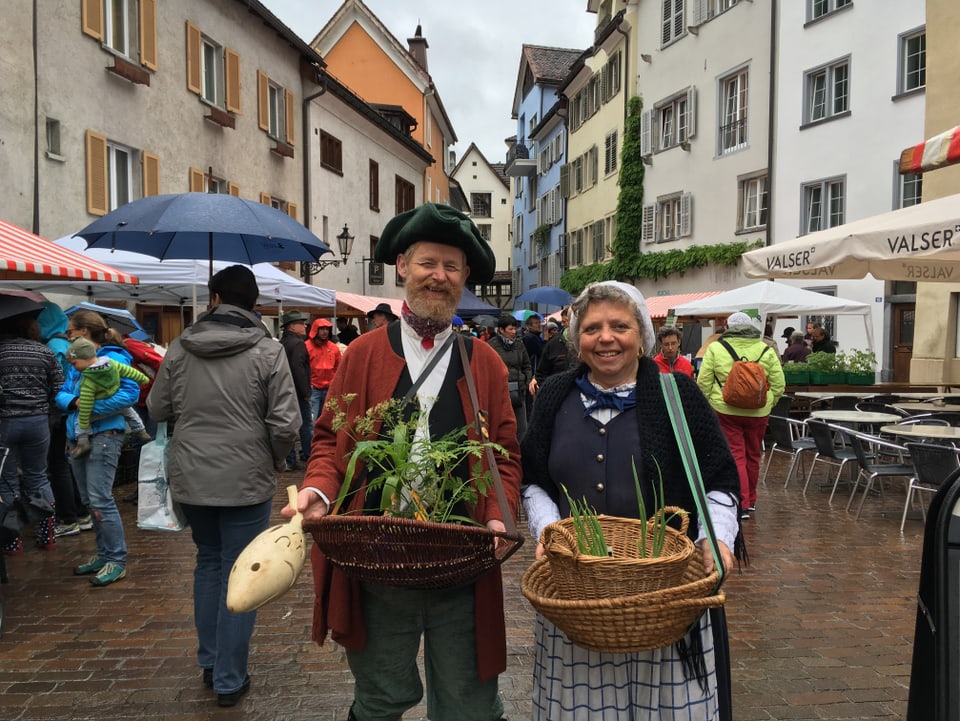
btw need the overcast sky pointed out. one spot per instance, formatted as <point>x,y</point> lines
<point>474,50</point>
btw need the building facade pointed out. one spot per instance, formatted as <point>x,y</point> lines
<point>847,103</point>
<point>487,190</point>
<point>362,53</point>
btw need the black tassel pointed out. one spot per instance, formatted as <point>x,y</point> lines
<point>690,650</point>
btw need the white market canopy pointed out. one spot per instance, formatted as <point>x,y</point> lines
<point>917,243</point>
<point>173,282</point>
<point>778,299</point>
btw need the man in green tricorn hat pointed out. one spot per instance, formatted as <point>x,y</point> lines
<point>435,248</point>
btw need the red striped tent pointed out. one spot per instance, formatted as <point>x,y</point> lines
<point>935,152</point>
<point>25,256</point>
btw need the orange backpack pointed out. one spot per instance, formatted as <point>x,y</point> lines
<point>747,384</point>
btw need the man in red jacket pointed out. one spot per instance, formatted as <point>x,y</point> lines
<point>669,358</point>
<point>324,360</point>
<point>435,248</point>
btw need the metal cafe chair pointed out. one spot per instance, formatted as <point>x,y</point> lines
<point>932,464</point>
<point>784,441</point>
<point>867,448</point>
<point>828,451</point>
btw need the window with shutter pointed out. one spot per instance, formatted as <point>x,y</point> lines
<point>151,174</point>
<point>610,153</point>
<point>565,180</point>
<point>194,59</point>
<point>97,188</point>
<point>148,34</point>
<point>266,199</point>
<point>263,101</point>
<point>646,133</point>
<point>197,180</point>
<point>233,189</point>
<point>648,224</point>
<point>232,69</point>
<point>331,153</point>
<point>374,185</point>
<point>593,161</point>
<point>91,18</point>
<point>289,118</point>
<point>292,210</point>
<point>686,215</point>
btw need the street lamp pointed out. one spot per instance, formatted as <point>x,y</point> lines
<point>344,243</point>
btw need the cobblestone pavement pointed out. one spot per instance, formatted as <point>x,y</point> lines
<point>821,626</point>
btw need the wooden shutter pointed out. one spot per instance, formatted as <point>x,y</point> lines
<point>97,185</point>
<point>699,12</point>
<point>194,64</point>
<point>686,215</point>
<point>148,33</point>
<point>648,224</point>
<point>291,109</point>
<point>263,101</point>
<point>151,174</point>
<point>564,180</point>
<point>292,210</point>
<point>265,198</point>
<point>91,18</point>
<point>197,183</point>
<point>691,112</point>
<point>233,189</point>
<point>232,69</point>
<point>646,133</point>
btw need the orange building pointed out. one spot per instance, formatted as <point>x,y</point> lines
<point>365,56</point>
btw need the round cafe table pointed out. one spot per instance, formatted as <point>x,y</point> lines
<point>921,430</point>
<point>865,417</point>
<point>926,407</point>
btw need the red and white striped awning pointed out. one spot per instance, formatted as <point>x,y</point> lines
<point>661,305</point>
<point>25,255</point>
<point>935,152</point>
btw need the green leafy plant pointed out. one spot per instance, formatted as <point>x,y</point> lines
<point>659,523</point>
<point>861,361</point>
<point>415,474</point>
<point>586,527</point>
<point>589,532</point>
<point>826,362</point>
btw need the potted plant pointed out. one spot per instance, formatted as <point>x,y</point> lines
<point>826,368</point>
<point>796,374</point>
<point>861,367</point>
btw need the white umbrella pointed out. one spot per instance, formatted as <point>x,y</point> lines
<point>919,243</point>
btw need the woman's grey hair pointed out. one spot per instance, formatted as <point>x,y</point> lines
<point>612,292</point>
<point>796,337</point>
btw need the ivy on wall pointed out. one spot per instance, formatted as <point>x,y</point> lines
<point>626,243</point>
<point>658,264</point>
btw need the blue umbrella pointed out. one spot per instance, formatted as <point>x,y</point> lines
<point>522,315</point>
<point>122,321</point>
<point>204,226</point>
<point>547,295</point>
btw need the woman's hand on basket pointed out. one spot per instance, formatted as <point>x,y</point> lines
<point>309,503</point>
<point>540,552</point>
<point>500,544</point>
<point>726,556</point>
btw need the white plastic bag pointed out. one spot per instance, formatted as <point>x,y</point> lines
<point>156,509</point>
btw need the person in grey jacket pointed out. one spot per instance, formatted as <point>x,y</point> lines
<point>228,386</point>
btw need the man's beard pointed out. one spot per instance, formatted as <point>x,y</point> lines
<point>432,306</point>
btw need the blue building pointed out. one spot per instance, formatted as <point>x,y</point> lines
<point>533,162</point>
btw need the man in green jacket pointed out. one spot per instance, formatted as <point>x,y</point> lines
<point>743,427</point>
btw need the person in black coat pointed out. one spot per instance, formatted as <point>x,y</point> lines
<point>294,326</point>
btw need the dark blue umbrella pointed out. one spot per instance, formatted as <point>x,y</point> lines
<point>204,226</point>
<point>547,295</point>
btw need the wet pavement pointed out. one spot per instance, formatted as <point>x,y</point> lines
<point>821,626</point>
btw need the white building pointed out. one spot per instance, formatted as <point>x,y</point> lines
<point>487,190</point>
<point>850,96</point>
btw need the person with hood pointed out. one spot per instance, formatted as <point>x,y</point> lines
<point>228,386</point>
<point>743,427</point>
<point>95,471</point>
<point>324,360</point>
<point>294,325</point>
<point>71,514</point>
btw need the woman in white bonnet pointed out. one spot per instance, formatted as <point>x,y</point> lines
<point>589,425</point>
